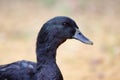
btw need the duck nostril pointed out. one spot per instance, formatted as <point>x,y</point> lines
<point>79,33</point>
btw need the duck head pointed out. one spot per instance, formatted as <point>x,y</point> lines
<point>60,29</point>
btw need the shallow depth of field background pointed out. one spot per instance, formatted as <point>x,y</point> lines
<point>99,20</point>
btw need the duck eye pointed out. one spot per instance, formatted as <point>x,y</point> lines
<point>66,24</point>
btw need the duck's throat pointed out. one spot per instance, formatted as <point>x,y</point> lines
<point>46,55</point>
<point>46,51</point>
<point>46,59</point>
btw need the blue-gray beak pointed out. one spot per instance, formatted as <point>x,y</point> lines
<point>79,36</point>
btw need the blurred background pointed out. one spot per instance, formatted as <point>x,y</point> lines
<point>99,20</point>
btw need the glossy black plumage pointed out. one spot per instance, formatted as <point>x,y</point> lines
<point>53,33</point>
<point>21,70</point>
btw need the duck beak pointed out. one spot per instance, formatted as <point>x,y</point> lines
<point>79,36</point>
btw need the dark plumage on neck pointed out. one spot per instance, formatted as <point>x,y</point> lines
<point>47,44</point>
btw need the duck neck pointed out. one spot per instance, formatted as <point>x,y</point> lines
<point>46,51</point>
